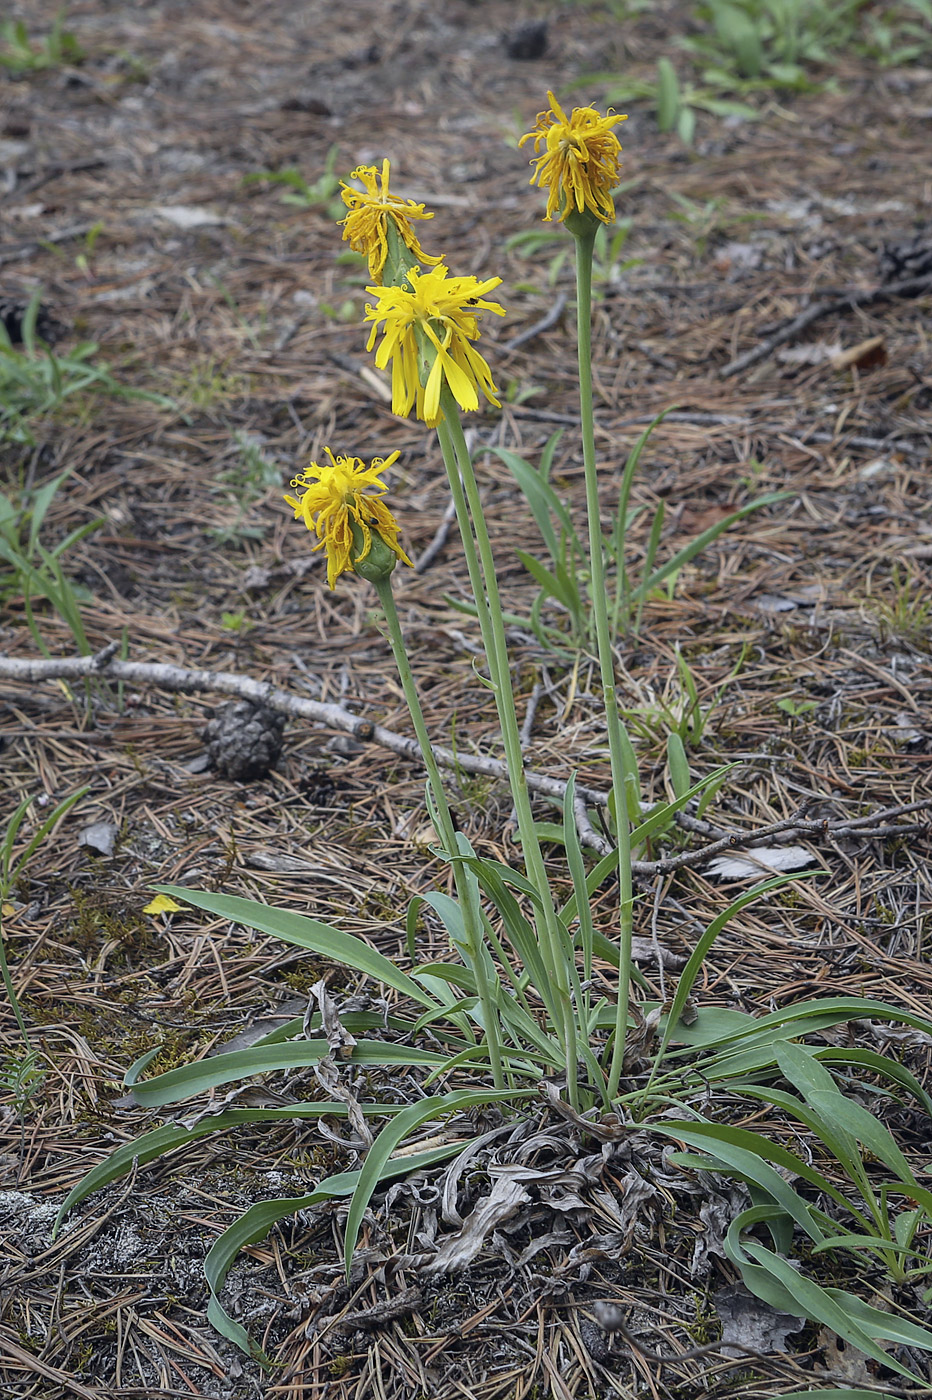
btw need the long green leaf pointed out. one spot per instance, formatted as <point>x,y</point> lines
<point>843,1149</point>
<point>544,502</point>
<point>678,765</point>
<point>834,1309</point>
<point>691,970</point>
<point>846,1116</point>
<point>297,929</point>
<point>650,554</point>
<point>861,1124</point>
<point>406,1122</point>
<point>878,1244</point>
<point>697,545</point>
<point>885,1326</point>
<point>810,1016</point>
<point>187,1080</point>
<point>555,587</point>
<point>834,1395</point>
<point>255,1223</point>
<point>171,1136</point>
<point>521,932</point>
<point>758,1051</point>
<point>745,1153</point>
<point>661,814</point>
<point>813,1081</point>
<point>881,1065</point>
<point>454,973</point>
<point>668,94</point>
<point>760,1281</point>
<point>577,865</point>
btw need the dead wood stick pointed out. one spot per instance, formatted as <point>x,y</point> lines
<point>167,676</point>
<point>424,561</point>
<point>538,328</point>
<point>914,286</point>
<point>894,440</point>
<point>43,174</point>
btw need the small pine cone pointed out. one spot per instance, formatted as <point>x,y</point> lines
<point>244,740</point>
<point>13,315</point>
<point>528,41</point>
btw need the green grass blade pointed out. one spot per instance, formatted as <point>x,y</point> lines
<point>553,586</point>
<point>574,857</point>
<point>543,501</point>
<point>661,814</point>
<point>808,1017</point>
<point>697,545</point>
<point>678,766</point>
<point>691,970</point>
<point>9,838</point>
<point>881,1065</point>
<point>883,1325</point>
<point>744,1152</point>
<point>171,1136</point>
<point>39,836</point>
<point>834,1395</point>
<point>668,95</point>
<point>820,1305</point>
<point>650,554</point>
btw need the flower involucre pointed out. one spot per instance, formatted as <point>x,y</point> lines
<point>334,498</point>
<point>579,164</point>
<point>438,311</point>
<point>366,224</point>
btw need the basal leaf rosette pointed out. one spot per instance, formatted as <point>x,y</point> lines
<point>428,326</point>
<point>351,523</point>
<point>578,161</point>
<point>373,211</point>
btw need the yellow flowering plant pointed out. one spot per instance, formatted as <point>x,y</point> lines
<point>337,500</point>
<point>514,1011</point>
<point>428,324</point>
<point>579,163</point>
<point>373,213</point>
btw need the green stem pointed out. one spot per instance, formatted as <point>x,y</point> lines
<point>467,899</point>
<point>489,609</point>
<point>8,981</point>
<point>599,604</point>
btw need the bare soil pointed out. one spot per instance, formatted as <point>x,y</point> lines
<point>241,309</point>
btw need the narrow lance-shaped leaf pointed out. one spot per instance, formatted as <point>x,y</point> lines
<point>406,1122</point>
<point>187,1080</point>
<point>255,1223</point>
<point>302,932</point>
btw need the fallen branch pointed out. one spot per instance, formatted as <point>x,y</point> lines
<point>166,676</point>
<point>914,287</point>
<point>538,328</point>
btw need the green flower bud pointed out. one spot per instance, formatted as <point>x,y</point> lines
<point>375,564</point>
<point>400,258</point>
<point>582,223</point>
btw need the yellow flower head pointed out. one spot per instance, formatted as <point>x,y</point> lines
<point>429,323</point>
<point>579,164</point>
<point>366,224</point>
<point>334,499</point>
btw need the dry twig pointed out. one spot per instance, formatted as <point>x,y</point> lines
<point>179,678</point>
